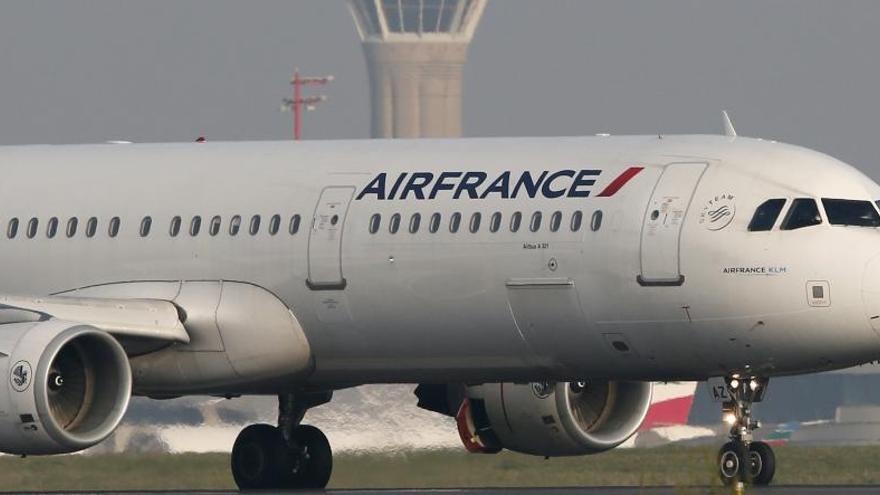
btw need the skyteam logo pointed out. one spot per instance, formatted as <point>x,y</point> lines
<point>20,377</point>
<point>718,212</point>
<point>547,184</point>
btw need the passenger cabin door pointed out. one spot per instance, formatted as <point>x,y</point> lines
<point>664,218</point>
<point>325,239</point>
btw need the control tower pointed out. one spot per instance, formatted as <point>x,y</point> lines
<point>416,51</point>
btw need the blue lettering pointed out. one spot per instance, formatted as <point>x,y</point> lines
<point>532,186</point>
<point>441,184</point>
<point>423,185</point>
<point>582,181</point>
<point>501,185</point>
<point>469,183</point>
<point>548,190</point>
<point>417,182</point>
<point>396,185</point>
<point>376,186</point>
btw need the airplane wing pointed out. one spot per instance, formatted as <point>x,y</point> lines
<point>122,318</point>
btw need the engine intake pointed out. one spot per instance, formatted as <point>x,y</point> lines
<point>69,386</point>
<point>553,419</point>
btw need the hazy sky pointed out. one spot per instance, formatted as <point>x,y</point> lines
<point>802,71</point>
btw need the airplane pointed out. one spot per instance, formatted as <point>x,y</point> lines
<point>534,288</point>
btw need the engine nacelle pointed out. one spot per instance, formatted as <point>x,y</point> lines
<point>552,419</point>
<point>68,387</point>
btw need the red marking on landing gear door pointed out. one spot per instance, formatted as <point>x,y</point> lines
<point>620,181</point>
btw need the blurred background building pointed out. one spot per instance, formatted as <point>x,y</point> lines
<point>416,51</point>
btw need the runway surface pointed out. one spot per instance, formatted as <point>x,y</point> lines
<point>773,490</point>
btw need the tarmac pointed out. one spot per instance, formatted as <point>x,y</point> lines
<point>636,490</point>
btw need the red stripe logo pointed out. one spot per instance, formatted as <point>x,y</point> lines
<point>620,181</point>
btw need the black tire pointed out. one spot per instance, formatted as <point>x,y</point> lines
<point>255,458</point>
<point>315,460</point>
<point>728,463</point>
<point>768,463</point>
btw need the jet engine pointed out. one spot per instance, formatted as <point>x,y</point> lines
<point>68,386</point>
<point>552,419</point>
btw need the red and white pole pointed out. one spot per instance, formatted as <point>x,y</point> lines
<point>297,106</point>
<point>299,103</point>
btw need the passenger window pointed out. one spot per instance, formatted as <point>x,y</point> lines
<point>71,226</point>
<point>414,223</point>
<point>803,213</point>
<point>495,222</point>
<point>33,225</point>
<point>146,223</point>
<point>434,224</point>
<point>394,225</point>
<point>375,223</point>
<point>577,218</point>
<point>766,215</point>
<point>475,222</point>
<point>175,226</point>
<point>195,226</point>
<point>234,225</point>
<point>214,228</point>
<point>255,225</point>
<point>555,221</point>
<point>851,212</point>
<point>113,228</point>
<point>596,221</point>
<point>535,224</point>
<point>454,222</point>
<point>12,229</point>
<point>515,221</point>
<point>92,227</point>
<point>293,228</point>
<point>52,227</point>
<point>274,224</point>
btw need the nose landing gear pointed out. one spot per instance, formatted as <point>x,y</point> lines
<point>289,456</point>
<point>742,460</point>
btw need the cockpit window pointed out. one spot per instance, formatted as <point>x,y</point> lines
<point>766,215</point>
<point>851,212</point>
<point>804,212</point>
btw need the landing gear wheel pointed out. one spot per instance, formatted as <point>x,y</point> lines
<point>311,461</point>
<point>728,463</point>
<point>763,463</point>
<point>255,457</point>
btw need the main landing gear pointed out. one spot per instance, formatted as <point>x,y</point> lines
<point>289,456</point>
<point>742,460</point>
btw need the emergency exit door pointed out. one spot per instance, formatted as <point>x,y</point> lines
<point>325,239</point>
<point>664,218</point>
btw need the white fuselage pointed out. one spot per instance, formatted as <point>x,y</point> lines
<point>686,293</point>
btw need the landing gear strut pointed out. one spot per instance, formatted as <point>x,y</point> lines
<point>742,460</point>
<point>289,456</point>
